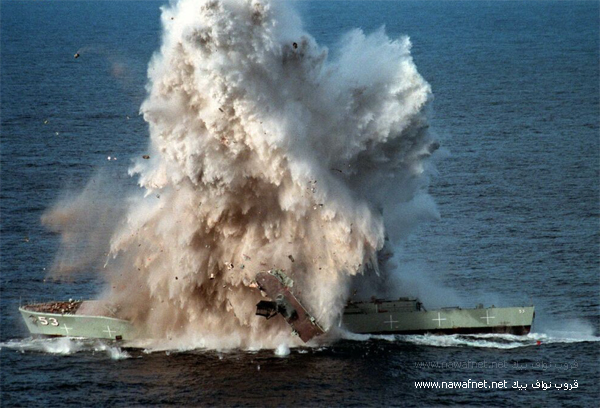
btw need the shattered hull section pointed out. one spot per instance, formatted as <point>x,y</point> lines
<point>303,324</point>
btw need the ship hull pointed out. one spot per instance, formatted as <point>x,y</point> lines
<point>73,325</point>
<point>510,320</point>
<point>388,317</point>
<point>515,330</point>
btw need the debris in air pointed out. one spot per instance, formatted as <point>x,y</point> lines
<point>295,45</point>
<point>266,309</point>
<point>291,258</point>
<point>146,157</point>
<point>76,55</point>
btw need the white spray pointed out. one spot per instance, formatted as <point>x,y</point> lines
<point>265,153</point>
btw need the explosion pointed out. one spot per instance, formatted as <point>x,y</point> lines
<point>264,153</point>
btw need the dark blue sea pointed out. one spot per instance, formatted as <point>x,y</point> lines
<point>516,87</point>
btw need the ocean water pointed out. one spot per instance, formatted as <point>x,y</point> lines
<point>516,109</point>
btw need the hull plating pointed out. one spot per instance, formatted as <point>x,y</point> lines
<point>512,320</point>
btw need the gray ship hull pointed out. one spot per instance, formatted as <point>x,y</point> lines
<point>407,317</point>
<point>91,319</point>
<point>75,319</point>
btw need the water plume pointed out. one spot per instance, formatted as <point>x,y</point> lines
<point>264,153</point>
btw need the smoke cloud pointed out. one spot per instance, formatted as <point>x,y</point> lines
<point>265,153</point>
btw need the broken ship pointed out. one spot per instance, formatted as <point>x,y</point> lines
<point>96,319</point>
<point>402,316</point>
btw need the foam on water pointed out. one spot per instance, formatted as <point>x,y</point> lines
<point>498,341</point>
<point>282,350</point>
<point>115,353</point>
<point>65,346</point>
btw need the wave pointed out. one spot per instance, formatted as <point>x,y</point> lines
<point>65,346</point>
<point>496,341</point>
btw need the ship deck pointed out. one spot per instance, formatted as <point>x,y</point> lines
<point>69,307</point>
<point>96,308</point>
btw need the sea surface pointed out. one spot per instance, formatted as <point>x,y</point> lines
<point>516,109</point>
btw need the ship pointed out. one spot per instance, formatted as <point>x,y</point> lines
<point>84,319</point>
<point>278,286</point>
<point>405,315</point>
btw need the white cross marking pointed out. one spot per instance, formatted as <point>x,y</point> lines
<point>109,331</point>
<point>66,329</point>
<point>439,319</point>
<point>391,322</point>
<point>487,317</point>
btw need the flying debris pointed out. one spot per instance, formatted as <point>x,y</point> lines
<point>76,55</point>
<point>266,309</point>
<point>146,157</point>
<point>430,149</point>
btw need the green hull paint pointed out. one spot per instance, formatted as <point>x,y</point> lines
<point>407,317</point>
<point>73,325</point>
<point>404,316</point>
